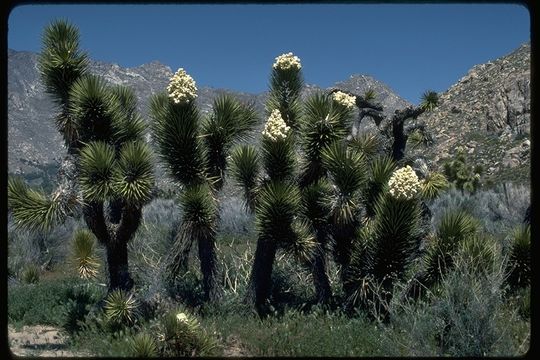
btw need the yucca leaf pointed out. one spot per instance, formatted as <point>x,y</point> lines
<point>97,168</point>
<point>278,158</point>
<point>433,184</point>
<point>94,108</point>
<point>381,169</point>
<point>284,95</point>
<point>61,62</point>
<point>175,129</point>
<point>519,259</point>
<point>429,100</point>
<point>367,143</point>
<point>199,206</point>
<point>83,252</point>
<point>133,176</point>
<point>127,125</point>
<point>32,209</point>
<point>121,307</point>
<point>278,204</point>
<point>245,170</point>
<point>479,252</point>
<point>230,121</point>
<point>347,170</point>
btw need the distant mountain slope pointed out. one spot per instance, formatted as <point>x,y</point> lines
<point>487,112</point>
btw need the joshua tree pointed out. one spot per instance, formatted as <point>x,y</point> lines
<point>194,150</point>
<point>395,130</point>
<point>108,167</point>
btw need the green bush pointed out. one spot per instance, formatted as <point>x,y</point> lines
<point>30,274</point>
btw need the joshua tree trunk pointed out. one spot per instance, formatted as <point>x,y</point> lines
<point>260,281</point>
<point>207,256</point>
<point>115,238</point>
<point>117,262</point>
<point>320,277</point>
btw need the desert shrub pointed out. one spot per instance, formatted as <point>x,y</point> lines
<point>121,308</point>
<point>499,209</point>
<point>464,316</point>
<point>30,274</point>
<point>519,259</point>
<point>143,345</point>
<point>48,302</point>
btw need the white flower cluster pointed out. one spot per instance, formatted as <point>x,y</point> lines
<point>182,87</point>
<point>344,99</point>
<point>404,183</point>
<point>181,317</point>
<point>276,127</point>
<point>287,61</point>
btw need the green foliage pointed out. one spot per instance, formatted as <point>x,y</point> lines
<point>385,248</point>
<point>464,176</point>
<point>83,252</point>
<point>370,94</point>
<point>61,62</point>
<point>129,124</point>
<point>175,129</point>
<point>30,274</point>
<point>454,227</point>
<point>245,170</point>
<point>347,170</point>
<point>48,302</point>
<point>323,122</point>
<point>380,170</point>
<point>134,177</point>
<point>93,108</point>
<point>278,158</point>
<point>230,121</point>
<point>367,143</point>
<point>480,253</point>
<point>278,204</point>
<point>97,168</point>
<point>432,185</point>
<point>181,335</point>
<point>284,94</point>
<point>429,100</point>
<point>32,209</point>
<point>121,308</point>
<point>199,206</point>
<point>519,260</point>
<point>143,345</point>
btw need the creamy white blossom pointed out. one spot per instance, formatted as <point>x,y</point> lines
<point>275,127</point>
<point>287,61</point>
<point>181,317</point>
<point>182,87</point>
<point>404,183</point>
<point>344,99</point>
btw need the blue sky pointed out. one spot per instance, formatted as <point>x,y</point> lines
<point>410,47</point>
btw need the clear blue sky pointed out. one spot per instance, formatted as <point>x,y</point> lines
<point>410,47</point>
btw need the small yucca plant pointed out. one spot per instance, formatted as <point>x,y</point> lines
<point>30,274</point>
<point>121,308</point>
<point>180,334</point>
<point>519,260</point>
<point>480,253</point>
<point>433,184</point>
<point>83,252</point>
<point>429,100</point>
<point>143,345</point>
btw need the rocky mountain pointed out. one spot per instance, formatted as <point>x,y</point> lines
<point>487,115</point>
<point>35,148</point>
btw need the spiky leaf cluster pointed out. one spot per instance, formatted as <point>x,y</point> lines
<point>479,253</point>
<point>32,209</point>
<point>454,228</point>
<point>199,207</point>
<point>176,130</point>
<point>121,307</point>
<point>286,83</point>
<point>278,158</point>
<point>519,260</point>
<point>229,121</point>
<point>133,175</point>
<point>429,100</point>
<point>432,185</point>
<point>347,170</point>
<point>245,170</point>
<point>381,169</point>
<point>143,345</point>
<point>61,62</point>
<point>83,252</point>
<point>30,274</point>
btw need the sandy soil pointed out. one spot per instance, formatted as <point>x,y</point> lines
<point>39,340</point>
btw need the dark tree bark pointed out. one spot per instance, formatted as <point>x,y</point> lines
<point>527,218</point>
<point>115,238</point>
<point>260,281</point>
<point>323,291</point>
<point>400,136</point>
<point>117,262</point>
<point>115,210</point>
<point>207,257</point>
